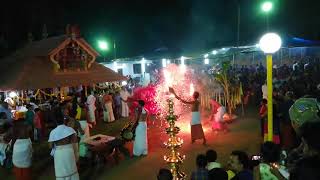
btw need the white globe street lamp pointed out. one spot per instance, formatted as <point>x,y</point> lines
<point>269,44</point>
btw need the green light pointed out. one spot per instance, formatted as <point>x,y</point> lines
<point>103,45</point>
<point>267,6</point>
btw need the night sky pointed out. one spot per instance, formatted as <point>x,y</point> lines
<point>142,26</point>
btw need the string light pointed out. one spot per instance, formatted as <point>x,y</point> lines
<point>164,63</point>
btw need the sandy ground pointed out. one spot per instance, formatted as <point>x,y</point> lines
<point>243,135</point>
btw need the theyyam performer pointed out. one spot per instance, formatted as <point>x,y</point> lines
<point>218,111</point>
<point>196,127</point>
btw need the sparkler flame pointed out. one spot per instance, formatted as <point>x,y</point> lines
<point>155,96</point>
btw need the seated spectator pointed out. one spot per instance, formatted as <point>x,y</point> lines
<point>270,156</point>
<point>211,160</point>
<point>310,133</point>
<point>306,169</point>
<point>164,174</point>
<point>218,174</point>
<point>304,110</point>
<point>201,173</point>
<point>239,164</point>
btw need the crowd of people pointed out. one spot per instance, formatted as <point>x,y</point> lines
<point>65,123</point>
<point>273,161</point>
<point>294,152</point>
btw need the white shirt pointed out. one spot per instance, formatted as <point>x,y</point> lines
<point>22,153</point>
<point>124,94</point>
<point>264,89</point>
<point>91,101</point>
<point>295,66</point>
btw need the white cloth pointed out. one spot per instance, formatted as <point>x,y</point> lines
<point>34,106</point>
<point>85,128</point>
<point>212,165</point>
<point>218,117</point>
<point>264,90</point>
<point>140,144</point>
<point>65,163</point>
<point>91,101</point>
<point>124,106</point>
<point>22,153</point>
<point>295,66</point>
<point>108,115</point>
<point>195,118</point>
<point>92,115</point>
<point>124,109</point>
<point>60,132</point>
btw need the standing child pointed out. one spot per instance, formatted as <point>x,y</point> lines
<point>263,112</point>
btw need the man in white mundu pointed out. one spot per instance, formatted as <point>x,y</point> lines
<point>91,102</point>
<point>140,145</point>
<point>63,152</point>
<point>124,94</point>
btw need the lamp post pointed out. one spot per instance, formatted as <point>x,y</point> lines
<point>266,7</point>
<point>103,46</point>
<point>269,44</point>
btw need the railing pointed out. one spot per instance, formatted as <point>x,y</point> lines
<point>207,96</point>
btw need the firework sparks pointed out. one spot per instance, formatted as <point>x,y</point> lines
<point>191,89</point>
<point>180,80</point>
<point>155,96</point>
